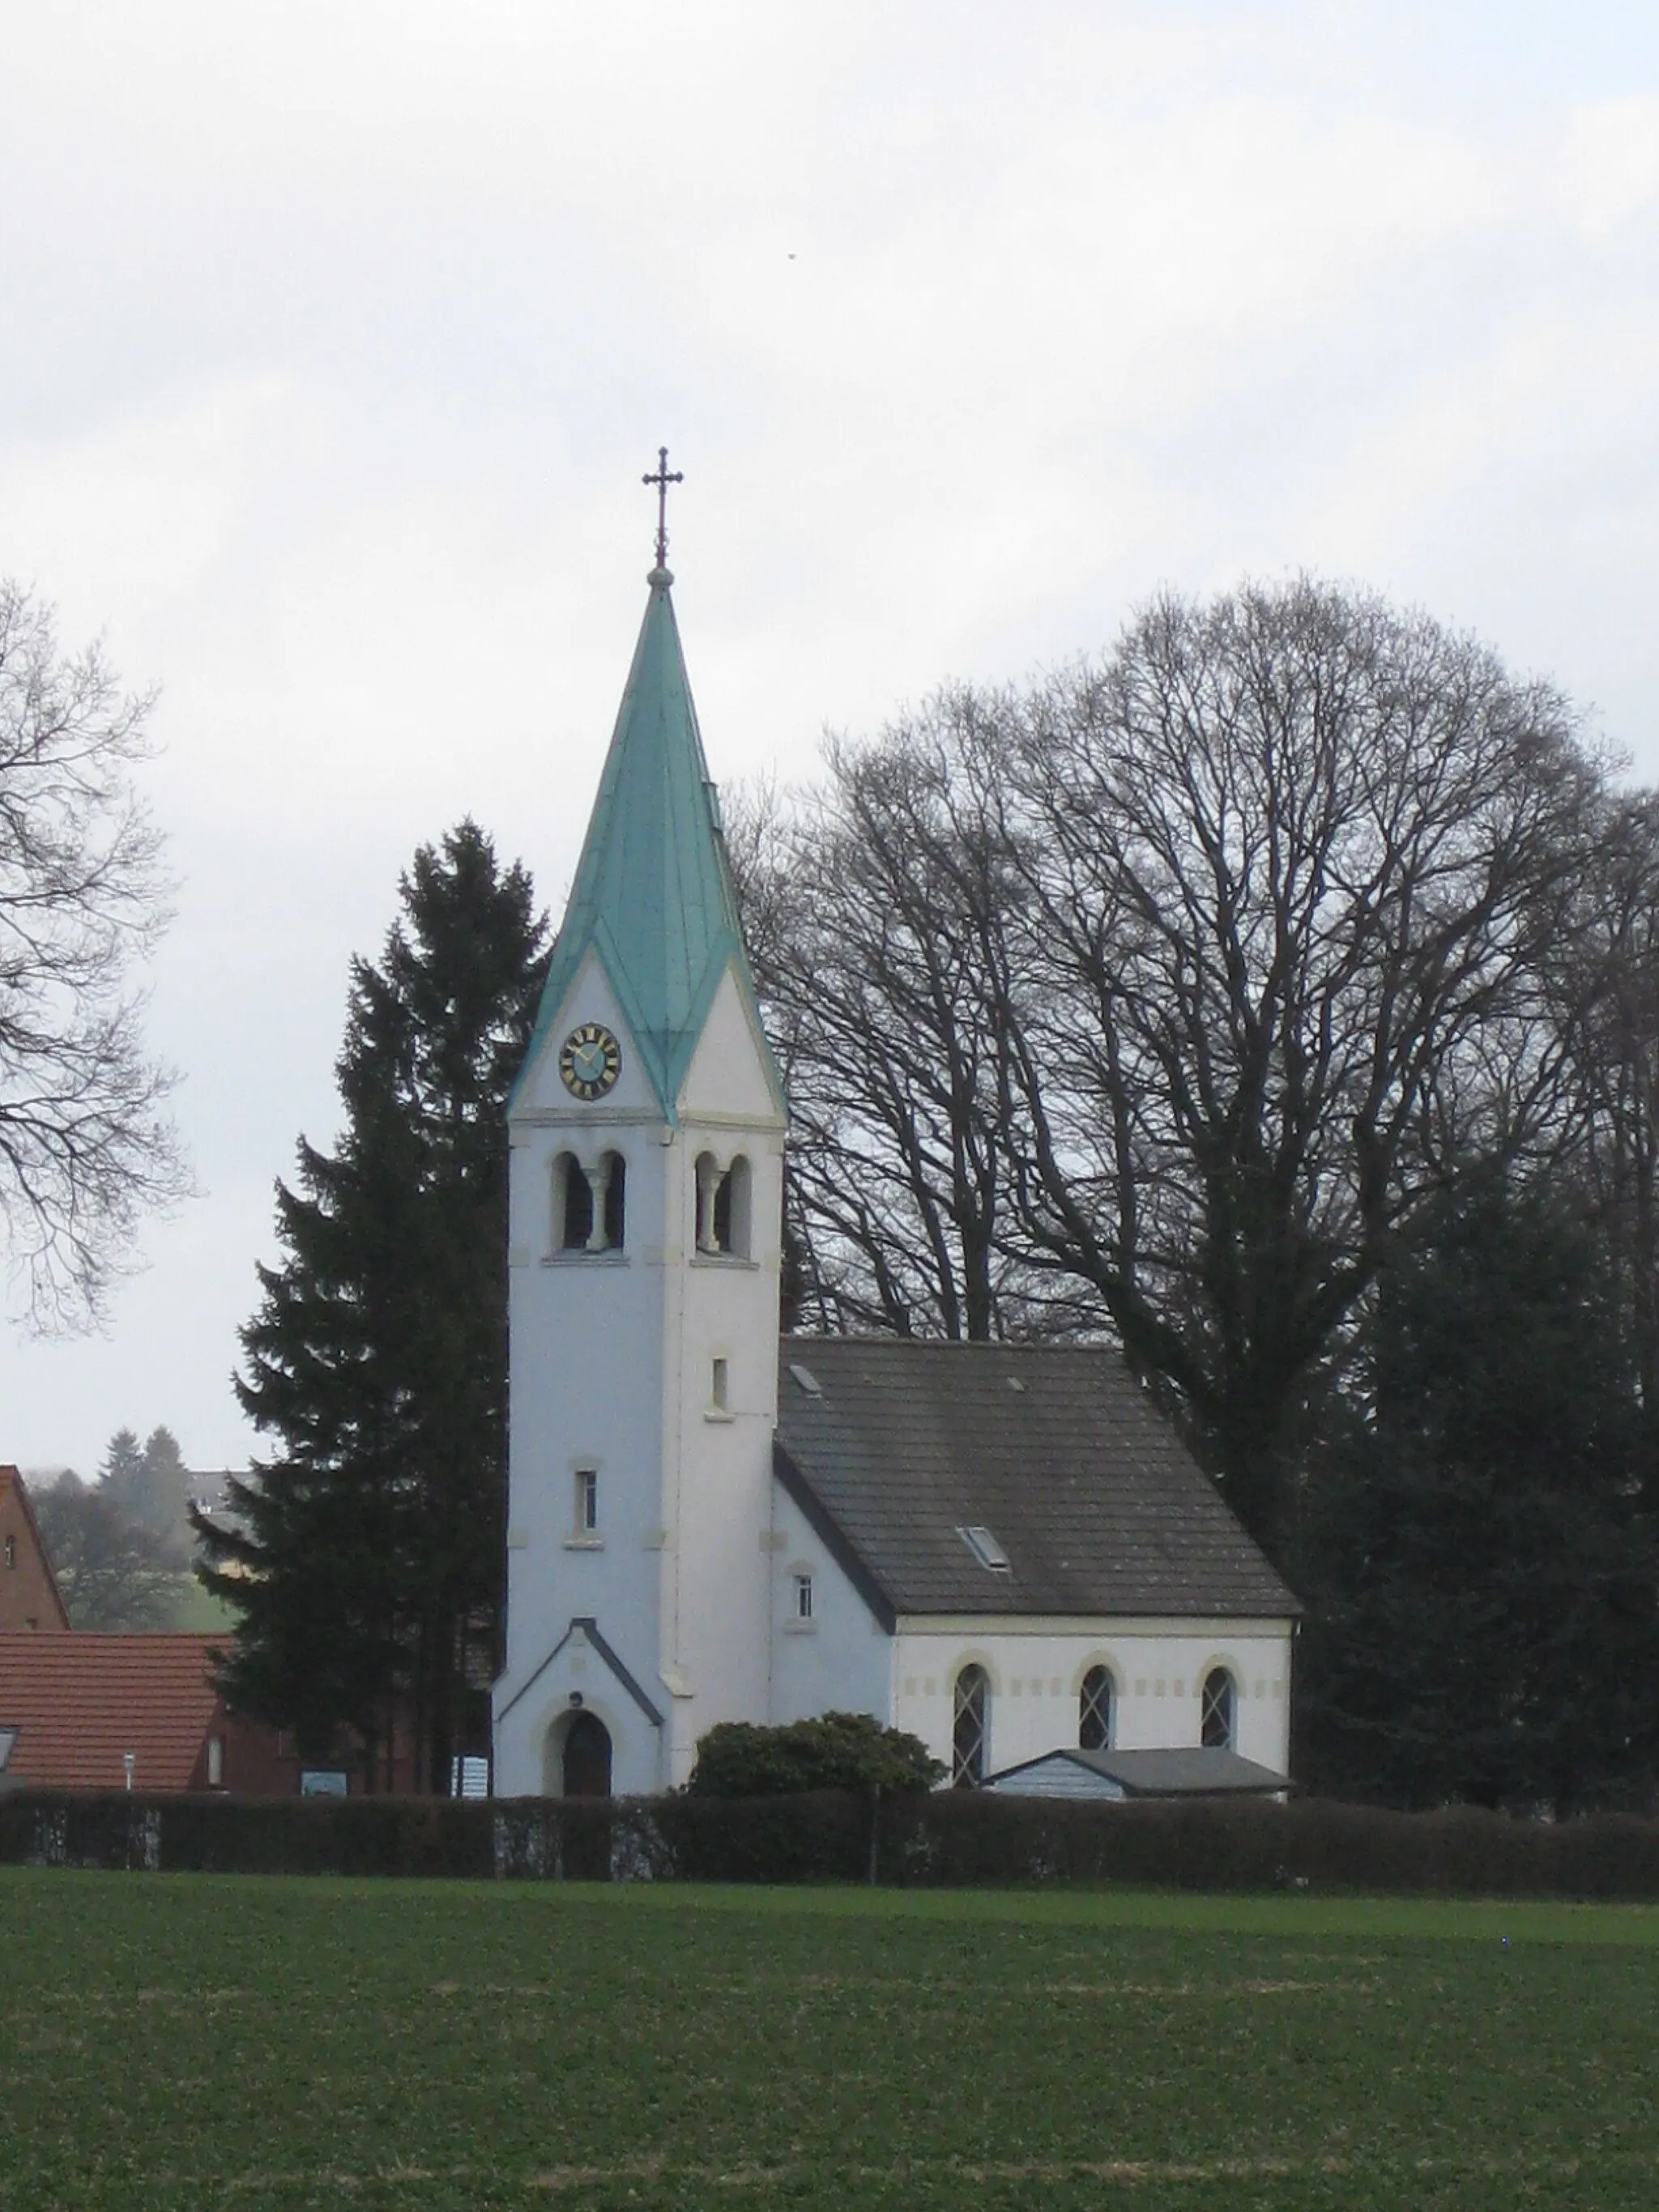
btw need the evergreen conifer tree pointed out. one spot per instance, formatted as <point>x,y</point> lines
<point>149,1484</point>
<point>124,1466</point>
<point>1487,1631</point>
<point>366,1558</point>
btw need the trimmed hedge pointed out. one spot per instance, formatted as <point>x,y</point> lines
<point>951,1838</point>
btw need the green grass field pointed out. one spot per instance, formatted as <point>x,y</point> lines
<point>182,2041</point>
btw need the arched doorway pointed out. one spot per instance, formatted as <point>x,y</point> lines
<point>586,1769</point>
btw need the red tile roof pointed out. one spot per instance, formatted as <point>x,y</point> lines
<point>82,1701</point>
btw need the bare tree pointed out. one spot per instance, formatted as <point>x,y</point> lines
<point>1296,861</point>
<point>85,1147</point>
<point>876,908</point>
<point>1180,980</point>
<point>1602,976</point>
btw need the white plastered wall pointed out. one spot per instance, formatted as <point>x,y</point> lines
<point>718,1460</point>
<point>1036,1667</point>
<point>611,1368</point>
<point>840,1661</point>
<point>535,1724</point>
<point>584,1328</point>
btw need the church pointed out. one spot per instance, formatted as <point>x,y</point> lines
<point>1003,1548</point>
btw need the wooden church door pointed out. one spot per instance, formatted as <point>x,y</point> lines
<point>586,1757</point>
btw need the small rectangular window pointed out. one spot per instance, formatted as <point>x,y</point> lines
<point>588,1500</point>
<point>11,1551</point>
<point>803,1597</point>
<point>215,1762</point>
<point>718,1385</point>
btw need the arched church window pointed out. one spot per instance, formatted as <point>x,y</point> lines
<point>1218,1712</point>
<point>723,1207</point>
<point>615,1202</point>
<point>591,1203</point>
<point>970,1727</point>
<point>1094,1710</point>
<point>574,1198</point>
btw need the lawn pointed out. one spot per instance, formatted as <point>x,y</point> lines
<point>177,2041</point>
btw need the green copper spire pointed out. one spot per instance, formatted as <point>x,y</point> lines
<point>652,897</point>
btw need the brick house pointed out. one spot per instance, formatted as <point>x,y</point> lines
<point>30,1602</point>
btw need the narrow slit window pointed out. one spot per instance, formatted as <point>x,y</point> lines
<point>718,1385</point>
<point>587,1501</point>
<point>803,1597</point>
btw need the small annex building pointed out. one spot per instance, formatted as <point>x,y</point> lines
<point>1003,1548</point>
<point>1112,1776</point>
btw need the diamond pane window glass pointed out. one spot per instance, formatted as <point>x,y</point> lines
<point>970,1727</point>
<point>1216,1715</point>
<point>1094,1714</point>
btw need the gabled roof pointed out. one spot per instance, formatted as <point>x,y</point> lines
<point>897,1450</point>
<point>35,1573</point>
<point>1191,1771</point>
<point>652,897</point>
<point>82,1700</point>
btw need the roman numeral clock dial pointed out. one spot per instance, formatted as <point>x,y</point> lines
<point>590,1061</point>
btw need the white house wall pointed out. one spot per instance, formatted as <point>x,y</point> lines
<point>840,1661</point>
<point>1036,1668</point>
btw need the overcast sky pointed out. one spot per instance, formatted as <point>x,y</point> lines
<point>335,338</point>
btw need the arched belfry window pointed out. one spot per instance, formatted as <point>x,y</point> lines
<point>1094,1710</point>
<point>1218,1711</point>
<point>573,1200</point>
<point>724,1206</point>
<point>970,1727</point>
<point>590,1204</point>
<point>615,1202</point>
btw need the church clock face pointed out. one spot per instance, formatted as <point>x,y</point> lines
<point>590,1061</point>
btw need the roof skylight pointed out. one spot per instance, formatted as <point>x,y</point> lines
<point>806,1381</point>
<point>986,1549</point>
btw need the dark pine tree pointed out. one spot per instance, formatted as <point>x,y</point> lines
<point>1486,1628</point>
<point>365,1560</point>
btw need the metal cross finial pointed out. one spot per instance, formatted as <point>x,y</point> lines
<point>662,480</point>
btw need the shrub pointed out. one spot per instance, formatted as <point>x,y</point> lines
<point>837,1750</point>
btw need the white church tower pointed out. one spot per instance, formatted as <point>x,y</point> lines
<point>647,1128</point>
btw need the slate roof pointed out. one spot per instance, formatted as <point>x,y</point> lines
<point>1194,1771</point>
<point>1055,1449</point>
<point>82,1700</point>
<point>653,896</point>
